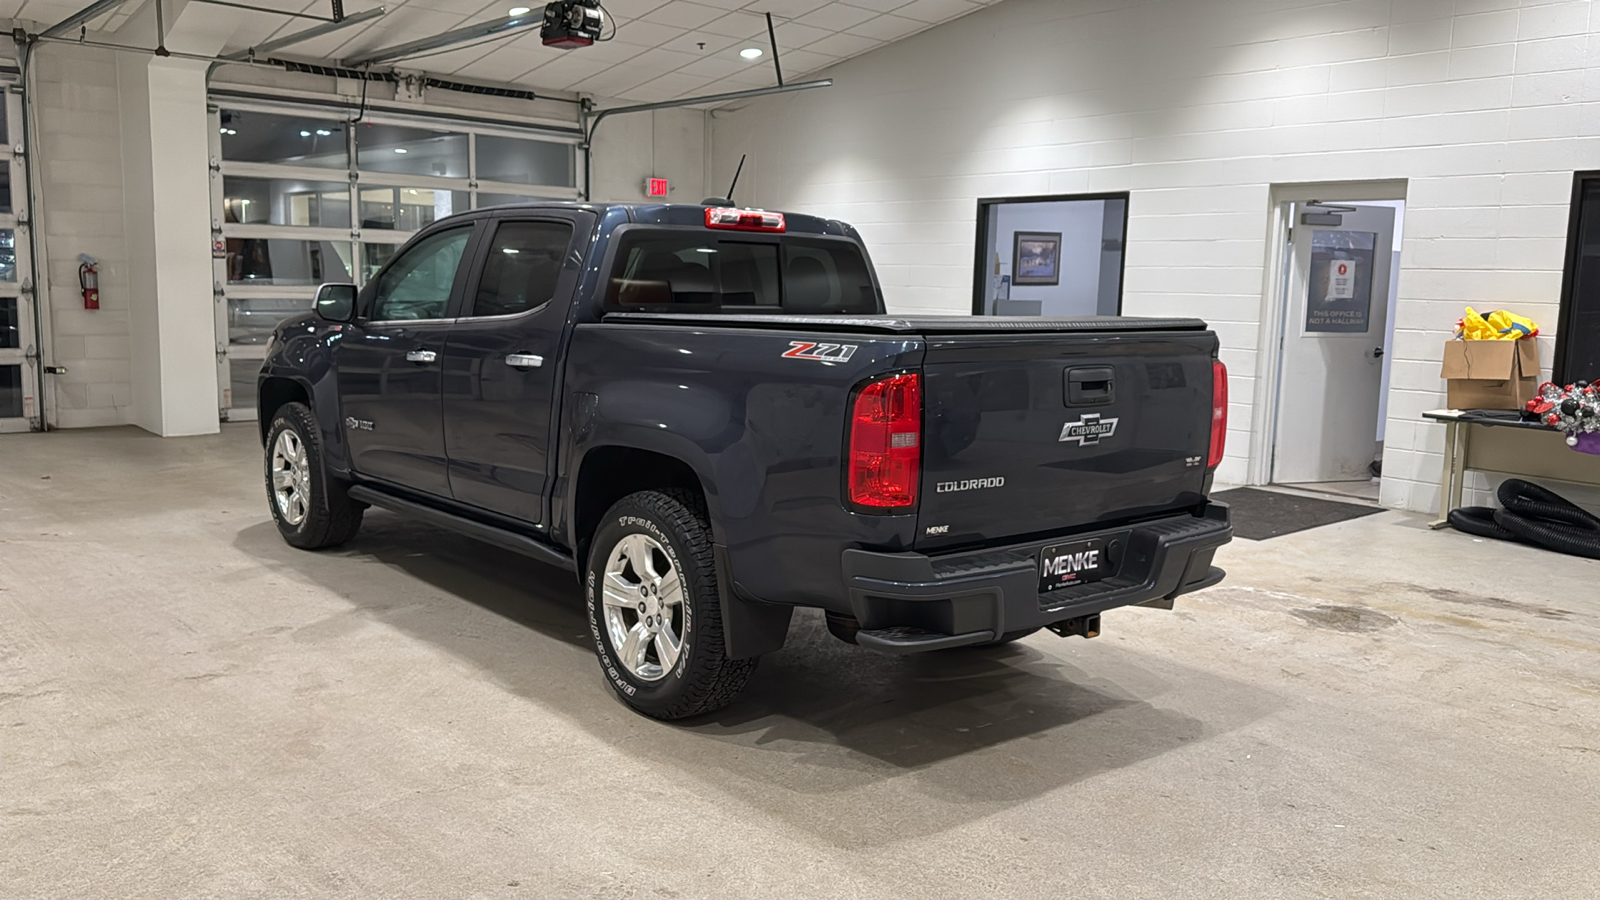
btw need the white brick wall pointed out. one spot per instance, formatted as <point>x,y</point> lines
<point>79,209</point>
<point>80,205</point>
<point>1197,107</point>
<point>666,143</point>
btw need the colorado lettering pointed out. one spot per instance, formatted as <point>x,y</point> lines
<point>974,484</point>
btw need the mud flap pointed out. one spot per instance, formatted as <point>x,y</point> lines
<point>749,628</point>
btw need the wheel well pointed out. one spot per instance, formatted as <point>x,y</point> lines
<point>611,473</point>
<point>275,392</point>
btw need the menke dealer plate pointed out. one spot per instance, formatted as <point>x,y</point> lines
<point>1066,565</point>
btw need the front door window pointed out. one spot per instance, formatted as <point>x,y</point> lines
<point>418,285</point>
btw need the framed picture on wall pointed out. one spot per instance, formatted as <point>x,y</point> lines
<point>1036,258</point>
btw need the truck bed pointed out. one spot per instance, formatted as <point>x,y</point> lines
<point>1030,426</point>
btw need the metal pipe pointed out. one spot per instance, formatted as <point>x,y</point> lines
<point>25,54</point>
<point>161,29</point>
<point>601,116</point>
<point>174,54</point>
<point>97,8</point>
<point>438,41</point>
<point>772,36</point>
<point>266,47</point>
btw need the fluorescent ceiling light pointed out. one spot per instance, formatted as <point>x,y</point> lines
<point>305,134</point>
<point>751,53</point>
<point>401,150</point>
<point>518,11</point>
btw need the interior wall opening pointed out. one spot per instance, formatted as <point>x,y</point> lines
<point>1333,332</point>
<point>1054,256</point>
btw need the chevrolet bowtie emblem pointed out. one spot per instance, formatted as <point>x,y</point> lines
<point>1088,430</point>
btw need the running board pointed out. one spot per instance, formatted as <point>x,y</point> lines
<point>489,534</point>
<point>901,640</point>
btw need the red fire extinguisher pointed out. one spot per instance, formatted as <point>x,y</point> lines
<point>89,280</point>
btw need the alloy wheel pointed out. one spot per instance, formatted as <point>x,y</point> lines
<point>291,477</point>
<point>644,609</point>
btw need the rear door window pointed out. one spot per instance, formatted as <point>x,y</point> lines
<point>522,268</point>
<point>690,271</point>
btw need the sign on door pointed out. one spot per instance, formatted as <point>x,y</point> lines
<point>1339,291</point>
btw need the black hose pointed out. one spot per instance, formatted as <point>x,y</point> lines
<point>1479,521</point>
<point>1531,500</point>
<point>1549,535</point>
<point>1533,515</point>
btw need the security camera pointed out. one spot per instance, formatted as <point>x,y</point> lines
<point>569,24</point>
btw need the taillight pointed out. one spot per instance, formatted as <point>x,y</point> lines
<point>1219,412</point>
<point>744,219</point>
<point>886,443</point>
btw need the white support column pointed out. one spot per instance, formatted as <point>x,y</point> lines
<point>167,215</point>
<point>166,158</point>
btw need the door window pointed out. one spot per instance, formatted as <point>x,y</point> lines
<point>417,285</point>
<point>522,268</point>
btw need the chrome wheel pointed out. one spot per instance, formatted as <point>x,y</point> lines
<point>291,477</point>
<point>645,615</point>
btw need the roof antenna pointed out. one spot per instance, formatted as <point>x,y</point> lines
<point>728,200</point>
<point>736,176</point>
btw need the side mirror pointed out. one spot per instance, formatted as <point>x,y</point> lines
<point>336,302</point>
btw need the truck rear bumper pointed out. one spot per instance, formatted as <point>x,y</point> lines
<point>911,602</point>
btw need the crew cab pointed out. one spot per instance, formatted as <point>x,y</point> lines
<point>706,414</point>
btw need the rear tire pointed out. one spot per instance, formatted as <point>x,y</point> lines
<point>312,510</point>
<point>654,609</point>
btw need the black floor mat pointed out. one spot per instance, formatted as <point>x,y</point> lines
<point>1258,515</point>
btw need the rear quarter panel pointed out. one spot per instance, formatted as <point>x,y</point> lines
<point>764,433</point>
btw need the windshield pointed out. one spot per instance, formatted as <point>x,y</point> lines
<point>701,271</point>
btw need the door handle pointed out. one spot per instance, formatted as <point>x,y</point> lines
<point>524,361</point>
<point>1377,352</point>
<point>421,356</point>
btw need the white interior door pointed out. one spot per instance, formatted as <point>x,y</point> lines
<point>1331,377</point>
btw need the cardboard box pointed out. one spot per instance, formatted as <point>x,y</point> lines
<point>1491,374</point>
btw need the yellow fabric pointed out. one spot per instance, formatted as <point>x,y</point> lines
<point>1498,325</point>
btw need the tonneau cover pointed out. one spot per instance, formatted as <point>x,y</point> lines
<point>889,324</point>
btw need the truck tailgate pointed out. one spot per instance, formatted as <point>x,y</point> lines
<point>1030,434</point>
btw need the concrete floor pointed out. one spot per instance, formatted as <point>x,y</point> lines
<point>190,708</point>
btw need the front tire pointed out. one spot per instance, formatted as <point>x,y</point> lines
<point>312,511</point>
<point>654,614</point>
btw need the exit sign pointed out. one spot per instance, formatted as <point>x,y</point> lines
<point>656,187</point>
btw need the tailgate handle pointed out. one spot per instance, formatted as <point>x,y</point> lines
<point>1090,386</point>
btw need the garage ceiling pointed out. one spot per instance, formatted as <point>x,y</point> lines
<point>664,49</point>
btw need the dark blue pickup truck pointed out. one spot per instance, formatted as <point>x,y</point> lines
<point>706,414</point>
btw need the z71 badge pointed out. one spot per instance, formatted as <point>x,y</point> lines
<point>1088,430</point>
<point>820,352</point>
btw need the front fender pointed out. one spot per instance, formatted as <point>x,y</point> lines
<point>303,352</point>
